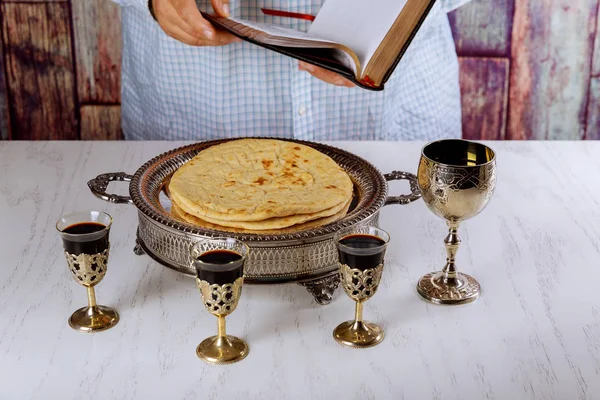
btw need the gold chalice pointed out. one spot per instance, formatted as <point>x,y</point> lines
<point>219,266</point>
<point>86,246</point>
<point>457,179</point>
<point>361,251</point>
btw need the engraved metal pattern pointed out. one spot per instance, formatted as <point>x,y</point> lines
<point>138,250</point>
<point>88,269</point>
<point>446,294</point>
<point>220,300</point>
<point>456,193</point>
<point>264,263</point>
<point>322,289</point>
<point>99,184</point>
<point>360,284</point>
<point>285,257</point>
<point>415,192</point>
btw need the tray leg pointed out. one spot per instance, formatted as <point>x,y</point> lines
<point>322,289</point>
<point>138,250</point>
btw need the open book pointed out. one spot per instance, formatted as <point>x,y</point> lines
<point>360,40</point>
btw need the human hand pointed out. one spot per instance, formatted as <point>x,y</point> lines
<point>325,75</point>
<point>182,20</point>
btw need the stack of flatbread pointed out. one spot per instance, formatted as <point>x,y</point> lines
<point>260,185</point>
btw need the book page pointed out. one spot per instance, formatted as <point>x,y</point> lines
<point>290,38</point>
<point>281,32</point>
<point>360,25</point>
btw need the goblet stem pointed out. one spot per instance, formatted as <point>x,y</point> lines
<point>448,286</point>
<point>221,341</point>
<point>221,326</point>
<point>91,293</point>
<point>358,314</point>
<point>452,241</point>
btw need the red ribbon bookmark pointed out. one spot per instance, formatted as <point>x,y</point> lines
<point>279,13</point>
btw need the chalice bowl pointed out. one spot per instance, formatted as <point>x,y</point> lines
<point>457,179</point>
<point>219,264</point>
<point>361,250</point>
<point>86,247</point>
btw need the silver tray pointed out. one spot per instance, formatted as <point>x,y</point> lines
<point>308,257</point>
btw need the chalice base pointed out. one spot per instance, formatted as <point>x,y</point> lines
<point>222,350</point>
<point>434,288</point>
<point>93,319</point>
<point>358,334</point>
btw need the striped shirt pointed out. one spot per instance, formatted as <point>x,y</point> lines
<point>174,91</point>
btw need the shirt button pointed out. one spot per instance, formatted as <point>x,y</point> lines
<point>302,111</point>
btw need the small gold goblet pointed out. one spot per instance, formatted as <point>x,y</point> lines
<point>457,179</point>
<point>86,246</point>
<point>219,264</point>
<point>361,251</point>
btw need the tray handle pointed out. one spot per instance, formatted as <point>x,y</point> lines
<point>99,184</point>
<point>415,192</point>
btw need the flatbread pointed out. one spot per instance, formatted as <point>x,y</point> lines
<point>270,223</point>
<point>250,180</point>
<point>185,217</point>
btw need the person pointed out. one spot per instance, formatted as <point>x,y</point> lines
<point>182,79</point>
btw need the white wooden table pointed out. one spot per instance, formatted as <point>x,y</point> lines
<point>534,333</point>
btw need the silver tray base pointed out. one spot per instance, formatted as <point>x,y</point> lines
<point>321,286</point>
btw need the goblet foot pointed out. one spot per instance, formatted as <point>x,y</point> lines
<point>93,319</point>
<point>222,349</point>
<point>460,290</point>
<point>358,334</point>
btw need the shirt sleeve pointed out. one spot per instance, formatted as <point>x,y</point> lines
<point>451,5</point>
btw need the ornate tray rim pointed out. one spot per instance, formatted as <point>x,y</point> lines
<point>321,233</point>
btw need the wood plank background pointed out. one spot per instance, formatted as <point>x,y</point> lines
<point>530,69</point>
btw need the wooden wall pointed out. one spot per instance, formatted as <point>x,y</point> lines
<point>530,69</point>
<point>60,76</point>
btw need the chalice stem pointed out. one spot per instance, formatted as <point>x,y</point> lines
<point>222,340</point>
<point>221,326</point>
<point>358,313</point>
<point>452,241</point>
<point>91,294</point>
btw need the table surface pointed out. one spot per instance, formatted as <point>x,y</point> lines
<point>533,334</point>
